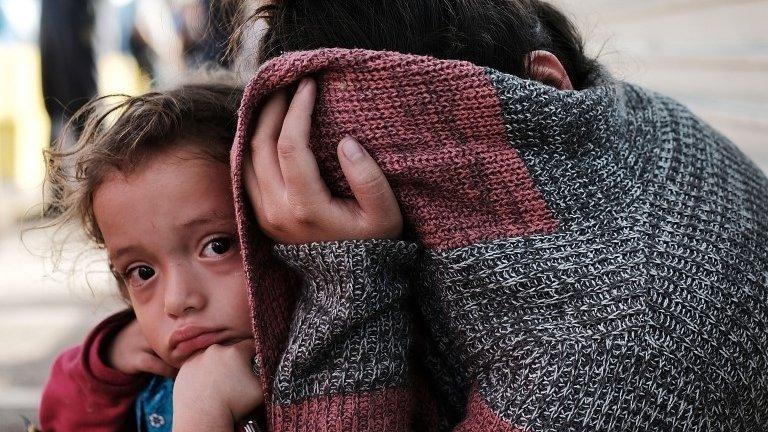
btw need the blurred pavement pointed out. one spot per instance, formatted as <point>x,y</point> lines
<point>41,313</point>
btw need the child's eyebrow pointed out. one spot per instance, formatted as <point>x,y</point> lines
<point>207,218</point>
<point>120,252</point>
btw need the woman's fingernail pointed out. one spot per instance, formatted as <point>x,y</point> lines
<point>351,149</point>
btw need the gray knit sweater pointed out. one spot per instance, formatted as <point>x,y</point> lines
<point>593,260</point>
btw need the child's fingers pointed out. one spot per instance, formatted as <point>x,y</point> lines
<point>263,152</point>
<point>247,347</point>
<point>369,185</point>
<point>151,363</point>
<point>304,187</point>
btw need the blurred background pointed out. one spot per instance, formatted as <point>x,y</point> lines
<point>55,54</point>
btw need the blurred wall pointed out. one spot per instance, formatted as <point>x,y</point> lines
<point>23,121</point>
<point>712,55</point>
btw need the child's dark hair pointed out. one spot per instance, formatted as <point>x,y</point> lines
<point>121,131</point>
<point>493,33</point>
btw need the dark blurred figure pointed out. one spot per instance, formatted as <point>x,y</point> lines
<point>68,70</point>
<point>141,50</point>
<point>204,27</point>
<point>68,67</point>
<point>200,27</point>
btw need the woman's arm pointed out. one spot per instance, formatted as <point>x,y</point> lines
<point>351,334</point>
<point>354,292</point>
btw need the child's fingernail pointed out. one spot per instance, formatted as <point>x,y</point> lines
<point>351,149</point>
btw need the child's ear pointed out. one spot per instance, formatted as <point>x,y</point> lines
<point>545,67</point>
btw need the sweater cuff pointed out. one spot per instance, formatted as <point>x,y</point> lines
<point>329,260</point>
<point>95,347</point>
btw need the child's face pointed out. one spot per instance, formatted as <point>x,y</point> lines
<point>169,229</point>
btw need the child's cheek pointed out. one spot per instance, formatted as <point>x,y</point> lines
<point>140,296</point>
<point>229,266</point>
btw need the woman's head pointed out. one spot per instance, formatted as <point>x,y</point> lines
<point>495,33</point>
<point>149,182</point>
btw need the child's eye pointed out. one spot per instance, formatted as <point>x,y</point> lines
<point>137,276</point>
<point>217,247</point>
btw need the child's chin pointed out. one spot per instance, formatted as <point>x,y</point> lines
<point>178,361</point>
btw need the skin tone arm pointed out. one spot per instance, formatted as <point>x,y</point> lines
<point>293,205</point>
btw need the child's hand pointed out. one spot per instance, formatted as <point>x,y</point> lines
<point>292,203</point>
<point>216,388</point>
<point>130,353</point>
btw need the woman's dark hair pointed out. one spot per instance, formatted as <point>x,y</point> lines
<point>493,33</point>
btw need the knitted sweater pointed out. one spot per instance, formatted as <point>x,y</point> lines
<point>587,260</point>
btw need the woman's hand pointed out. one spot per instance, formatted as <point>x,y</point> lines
<point>131,354</point>
<point>216,388</point>
<point>292,203</point>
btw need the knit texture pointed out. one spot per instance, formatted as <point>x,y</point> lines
<point>581,260</point>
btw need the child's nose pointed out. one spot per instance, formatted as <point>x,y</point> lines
<point>184,292</point>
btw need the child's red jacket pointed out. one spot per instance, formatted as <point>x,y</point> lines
<point>83,393</point>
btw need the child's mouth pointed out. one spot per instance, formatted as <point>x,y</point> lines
<point>189,340</point>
